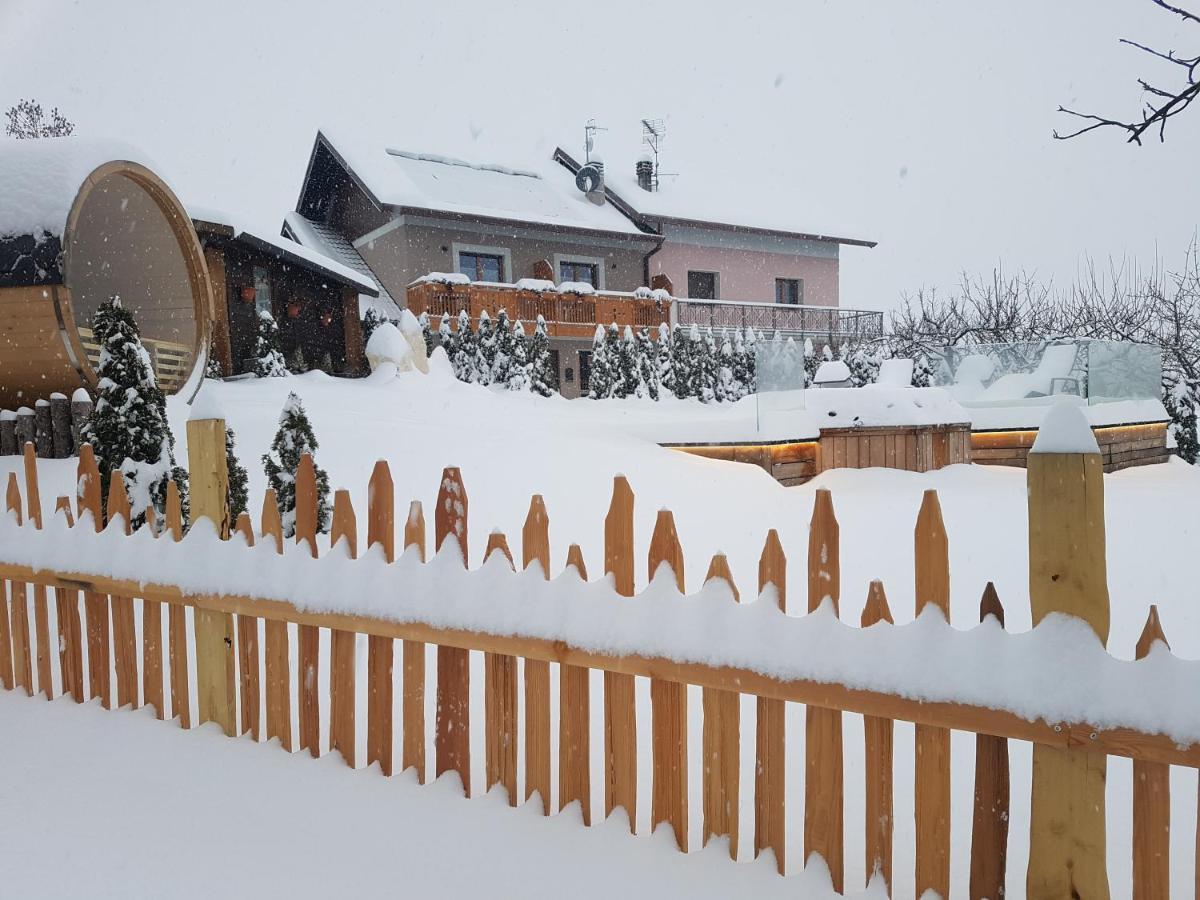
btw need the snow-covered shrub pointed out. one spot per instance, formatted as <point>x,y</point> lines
<point>1180,397</point>
<point>542,378</point>
<point>294,438</point>
<point>647,366</point>
<point>387,345</point>
<point>519,368</point>
<point>602,376</point>
<point>268,355</point>
<point>238,496</point>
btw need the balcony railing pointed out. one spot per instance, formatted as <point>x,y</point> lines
<point>830,322</point>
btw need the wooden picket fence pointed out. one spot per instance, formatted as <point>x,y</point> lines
<point>1067,853</point>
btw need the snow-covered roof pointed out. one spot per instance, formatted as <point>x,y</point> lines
<point>39,179</point>
<point>326,240</point>
<point>544,195</point>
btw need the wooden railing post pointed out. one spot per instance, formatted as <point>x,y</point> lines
<point>1067,574</point>
<point>668,705</point>
<point>208,481</point>
<point>620,714</point>
<point>452,731</point>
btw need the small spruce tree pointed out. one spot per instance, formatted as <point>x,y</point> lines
<point>238,496</point>
<point>427,333</point>
<point>485,350</point>
<point>505,348</point>
<point>372,320</point>
<point>600,376</point>
<point>922,372</point>
<point>462,349</point>
<point>520,370</point>
<point>1180,396</point>
<point>268,355</point>
<point>662,350</point>
<point>294,438</point>
<point>296,363</point>
<point>542,379</point>
<point>626,382</point>
<point>704,371</point>
<point>725,389</point>
<point>682,362</point>
<point>648,385</point>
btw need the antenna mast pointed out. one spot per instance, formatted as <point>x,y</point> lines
<point>654,132</point>
<point>589,138</point>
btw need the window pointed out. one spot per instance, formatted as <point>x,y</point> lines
<point>789,291</point>
<point>481,266</point>
<point>702,285</point>
<point>262,289</point>
<point>570,270</point>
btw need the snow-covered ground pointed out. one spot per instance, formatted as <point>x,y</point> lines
<point>508,447</point>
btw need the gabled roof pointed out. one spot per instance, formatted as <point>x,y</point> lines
<point>410,182</point>
<point>325,239</point>
<point>653,209</point>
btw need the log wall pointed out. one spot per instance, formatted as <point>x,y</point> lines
<point>1121,446</point>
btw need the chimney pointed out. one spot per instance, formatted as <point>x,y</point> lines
<point>645,172</point>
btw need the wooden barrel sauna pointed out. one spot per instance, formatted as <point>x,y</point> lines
<point>80,222</point>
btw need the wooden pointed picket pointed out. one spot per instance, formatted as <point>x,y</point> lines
<point>177,645</point>
<point>248,663</point>
<point>308,657</point>
<point>452,731</point>
<point>877,764</point>
<point>535,548</point>
<point>413,697</point>
<point>769,743</point>
<point>574,718</point>
<point>152,656</point>
<point>342,662</point>
<point>70,635</point>
<point>989,827</point>
<point>721,742</point>
<point>276,656</point>
<point>7,678</point>
<point>19,606</point>
<point>41,606</point>
<point>500,704</point>
<point>1151,799</point>
<point>124,634</point>
<point>381,532</point>
<point>575,561</point>
<point>95,605</point>
<point>668,705</point>
<point>932,781</point>
<point>620,712</point>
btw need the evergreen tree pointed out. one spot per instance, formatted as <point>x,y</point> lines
<point>239,495</point>
<point>682,359</point>
<point>864,361</point>
<point>296,363</point>
<point>704,370</point>
<point>128,427</point>
<point>293,439</point>
<point>326,363</point>
<point>1180,396</point>
<point>445,337</point>
<point>542,379</point>
<point>647,366</point>
<point>600,378</point>
<point>485,350</point>
<point>505,348</point>
<point>427,333</point>
<point>812,362</point>
<point>372,320</point>
<point>662,350</point>
<point>922,372</point>
<point>748,362</point>
<point>626,382</point>
<point>462,350</point>
<point>519,368</point>
<point>268,355</point>
<point>212,366</point>
<point>725,387</point>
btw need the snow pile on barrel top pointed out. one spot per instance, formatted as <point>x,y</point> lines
<point>1065,430</point>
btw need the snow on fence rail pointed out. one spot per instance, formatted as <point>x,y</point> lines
<point>926,672</point>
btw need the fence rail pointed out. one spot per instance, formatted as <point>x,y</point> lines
<point>834,324</point>
<point>244,680</point>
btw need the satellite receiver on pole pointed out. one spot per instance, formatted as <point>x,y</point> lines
<point>654,132</point>
<point>589,138</point>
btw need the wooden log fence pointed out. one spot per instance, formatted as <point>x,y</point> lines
<point>1067,853</point>
<point>51,425</point>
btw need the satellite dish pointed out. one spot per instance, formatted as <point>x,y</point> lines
<point>589,178</point>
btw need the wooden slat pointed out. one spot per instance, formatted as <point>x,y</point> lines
<point>500,708</point>
<point>381,533</point>
<point>575,561</point>
<point>620,715</point>
<point>932,799</point>
<point>177,646</point>
<point>413,698</point>
<point>989,828</point>
<point>452,732</point>
<point>41,614</point>
<point>276,658</point>
<point>18,604</point>
<point>823,789</point>
<point>248,663</point>
<point>152,656</point>
<point>124,635</point>
<point>770,750</point>
<point>70,635</point>
<point>574,718</point>
<point>1151,800</point>
<point>721,740</point>
<point>535,548</point>
<point>342,663</point>
<point>668,705</point>
<point>95,605</point>
<point>308,656</point>
<point>7,680</point>
<point>877,763</point>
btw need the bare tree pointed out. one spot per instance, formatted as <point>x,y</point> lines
<point>27,120</point>
<point>1161,103</point>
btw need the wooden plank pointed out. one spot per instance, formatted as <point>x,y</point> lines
<point>1067,574</point>
<point>668,705</point>
<point>19,606</point>
<point>823,787</point>
<point>381,651</point>
<point>177,647</point>
<point>248,663</point>
<point>124,634</point>
<point>1151,799</point>
<point>721,738</point>
<point>989,827</point>
<point>276,658</point>
<point>70,634</point>
<point>500,710</point>
<point>208,485</point>
<point>452,732</point>
<point>889,451</point>
<point>574,717</point>
<point>413,698</point>
<point>877,764</point>
<point>769,746</point>
<point>342,663</point>
<point>878,451</point>
<point>535,548</point>
<point>152,656</point>
<point>620,715</point>
<point>41,614</point>
<point>932,802</point>
<point>308,647</point>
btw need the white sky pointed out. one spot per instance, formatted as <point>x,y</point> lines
<point>924,124</point>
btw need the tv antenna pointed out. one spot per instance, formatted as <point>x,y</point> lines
<point>589,138</point>
<point>654,132</point>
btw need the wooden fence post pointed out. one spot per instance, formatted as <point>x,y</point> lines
<point>823,788</point>
<point>1151,801</point>
<point>535,549</point>
<point>308,649</point>
<point>381,532</point>
<point>95,606</point>
<point>60,424</point>
<point>500,712</point>
<point>277,663</point>
<point>721,739</point>
<point>1067,574</point>
<point>989,829</point>
<point>668,705</point>
<point>124,633</point>
<point>620,711</point>
<point>43,429</point>
<point>208,480</point>
<point>932,802</point>
<point>247,635</point>
<point>19,611</point>
<point>413,699</point>
<point>452,732</point>
<point>177,646</point>
<point>877,760</point>
<point>342,663</point>
<point>41,613</point>
<point>70,636</point>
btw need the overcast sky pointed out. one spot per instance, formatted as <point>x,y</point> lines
<point>923,124</point>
